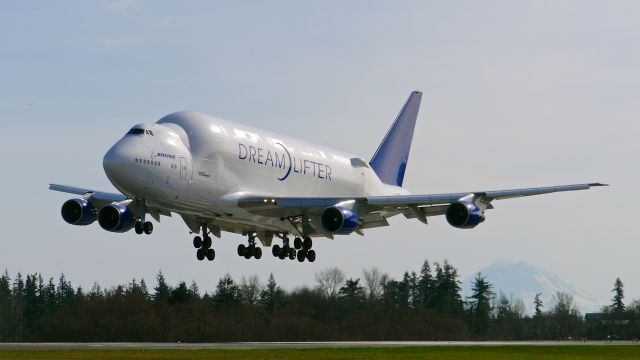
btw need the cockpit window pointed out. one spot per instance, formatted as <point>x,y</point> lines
<point>135,131</point>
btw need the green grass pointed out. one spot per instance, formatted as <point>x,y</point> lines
<point>432,352</point>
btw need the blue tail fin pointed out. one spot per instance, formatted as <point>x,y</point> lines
<point>390,160</point>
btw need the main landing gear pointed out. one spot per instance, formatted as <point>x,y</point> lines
<point>203,244</point>
<point>250,250</point>
<point>301,249</point>
<point>142,226</point>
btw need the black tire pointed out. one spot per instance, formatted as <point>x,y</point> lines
<point>275,250</point>
<point>211,254</point>
<point>302,254</point>
<point>200,254</point>
<point>308,243</point>
<point>297,243</point>
<point>257,253</point>
<point>138,228</point>
<point>283,253</point>
<point>241,248</point>
<point>247,253</point>
<point>206,242</point>
<point>311,255</point>
<point>148,228</point>
<point>197,242</point>
<point>292,254</point>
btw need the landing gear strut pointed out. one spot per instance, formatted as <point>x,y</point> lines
<point>250,250</point>
<point>203,244</point>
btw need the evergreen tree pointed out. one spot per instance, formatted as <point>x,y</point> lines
<point>144,291</point>
<point>5,307</point>
<point>180,294</point>
<point>227,292</point>
<point>271,297</point>
<point>426,285</point>
<point>194,290</point>
<point>480,304</point>
<point>64,291</point>
<point>537,303</point>
<point>352,294</point>
<point>446,290</point>
<point>414,290</point>
<point>17,297</point>
<point>49,297</point>
<point>617,304</point>
<point>162,290</point>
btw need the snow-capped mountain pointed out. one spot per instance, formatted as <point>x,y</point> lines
<point>523,281</point>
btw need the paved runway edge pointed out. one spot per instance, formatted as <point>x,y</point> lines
<point>294,345</point>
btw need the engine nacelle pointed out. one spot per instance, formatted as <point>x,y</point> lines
<point>464,214</point>
<point>338,220</point>
<point>116,218</point>
<point>79,212</point>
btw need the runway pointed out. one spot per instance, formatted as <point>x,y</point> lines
<point>295,345</point>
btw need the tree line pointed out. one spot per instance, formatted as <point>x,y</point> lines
<point>422,305</point>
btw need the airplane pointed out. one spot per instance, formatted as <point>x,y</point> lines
<point>220,176</point>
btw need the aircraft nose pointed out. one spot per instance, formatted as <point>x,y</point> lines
<point>116,162</point>
<point>113,161</point>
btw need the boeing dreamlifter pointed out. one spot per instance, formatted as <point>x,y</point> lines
<point>220,175</point>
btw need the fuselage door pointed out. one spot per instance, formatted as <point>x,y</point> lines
<point>183,168</point>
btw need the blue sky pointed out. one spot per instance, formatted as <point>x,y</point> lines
<point>516,94</point>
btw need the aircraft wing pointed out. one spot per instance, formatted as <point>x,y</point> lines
<point>100,198</point>
<point>378,208</point>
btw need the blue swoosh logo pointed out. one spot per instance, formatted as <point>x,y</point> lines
<point>288,170</point>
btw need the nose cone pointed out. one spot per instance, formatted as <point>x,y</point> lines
<point>117,164</point>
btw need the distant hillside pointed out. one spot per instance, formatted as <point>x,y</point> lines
<point>524,281</point>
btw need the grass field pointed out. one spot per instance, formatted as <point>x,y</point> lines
<point>431,352</point>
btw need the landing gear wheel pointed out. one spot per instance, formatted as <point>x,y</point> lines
<point>311,255</point>
<point>206,243</point>
<point>211,254</point>
<point>297,243</point>
<point>302,254</point>
<point>148,228</point>
<point>200,254</point>
<point>197,242</point>
<point>275,250</point>
<point>138,227</point>
<point>247,253</point>
<point>308,243</point>
<point>257,253</point>
<point>292,254</point>
<point>284,252</point>
<point>241,248</point>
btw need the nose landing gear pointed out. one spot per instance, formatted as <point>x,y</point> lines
<point>203,244</point>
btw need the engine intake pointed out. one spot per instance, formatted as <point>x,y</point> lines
<point>116,218</point>
<point>79,212</point>
<point>464,214</point>
<point>338,220</point>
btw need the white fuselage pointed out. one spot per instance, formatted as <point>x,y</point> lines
<point>198,166</point>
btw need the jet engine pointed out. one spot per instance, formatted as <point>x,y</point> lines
<point>116,218</point>
<point>339,220</point>
<point>464,214</point>
<point>79,212</point>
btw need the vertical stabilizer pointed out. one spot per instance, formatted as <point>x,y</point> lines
<point>390,160</point>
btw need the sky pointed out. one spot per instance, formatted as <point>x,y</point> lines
<point>516,94</point>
